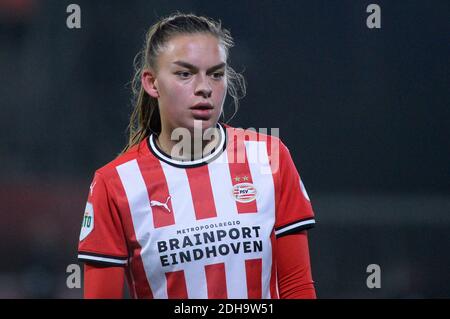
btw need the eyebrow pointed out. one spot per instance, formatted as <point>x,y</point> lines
<point>194,68</point>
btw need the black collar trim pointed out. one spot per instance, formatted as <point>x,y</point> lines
<point>160,154</point>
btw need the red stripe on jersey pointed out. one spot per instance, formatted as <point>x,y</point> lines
<point>240,171</point>
<point>216,281</point>
<point>253,270</point>
<point>136,276</point>
<point>176,285</point>
<point>273,274</point>
<point>201,192</point>
<point>157,190</point>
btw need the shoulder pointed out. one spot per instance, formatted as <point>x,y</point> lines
<point>254,134</point>
<point>109,170</point>
<point>269,137</point>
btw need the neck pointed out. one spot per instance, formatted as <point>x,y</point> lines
<point>189,146</point>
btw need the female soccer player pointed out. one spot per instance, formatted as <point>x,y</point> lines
<point>194,208</point>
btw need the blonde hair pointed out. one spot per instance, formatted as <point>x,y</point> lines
<point>145,118</point>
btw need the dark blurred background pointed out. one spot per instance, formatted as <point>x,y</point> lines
<point>365,113</point>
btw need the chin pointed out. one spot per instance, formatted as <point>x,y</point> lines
<point>205,123</point>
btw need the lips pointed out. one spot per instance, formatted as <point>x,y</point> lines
<point>202,106</point>
<point>202,111</point>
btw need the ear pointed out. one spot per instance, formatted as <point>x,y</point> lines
<point>149,83</point>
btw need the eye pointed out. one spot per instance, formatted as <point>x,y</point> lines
<point>218,75</point>
<point>183,74</point>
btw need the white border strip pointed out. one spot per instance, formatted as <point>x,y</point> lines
<point>104,259</point>
<point>296,225</point>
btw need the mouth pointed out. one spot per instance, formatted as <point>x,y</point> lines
<point>202,106</point>
<point>202,111</point>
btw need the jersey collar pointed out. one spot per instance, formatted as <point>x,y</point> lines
<point>160,154</point>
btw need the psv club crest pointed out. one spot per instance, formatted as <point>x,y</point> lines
<point>244,192</point>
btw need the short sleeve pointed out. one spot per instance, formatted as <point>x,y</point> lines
<point>294,210</point>
<point>102,239</point>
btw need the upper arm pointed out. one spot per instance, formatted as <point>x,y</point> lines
<point>102,236</point>
<point>102,244</point>
<point>294,212</point>
<point>294,267</point>
<point>103,282</point>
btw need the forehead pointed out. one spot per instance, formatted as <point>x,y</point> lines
<point>202,50</point>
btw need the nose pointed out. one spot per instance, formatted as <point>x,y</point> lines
<point>203,87</point>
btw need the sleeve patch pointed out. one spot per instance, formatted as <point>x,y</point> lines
<point>302,187</point>
<point>87,225</point>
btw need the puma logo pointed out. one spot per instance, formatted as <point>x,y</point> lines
<point>156,203</point>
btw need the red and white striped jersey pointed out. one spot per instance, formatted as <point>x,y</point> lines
<point>196,229</point>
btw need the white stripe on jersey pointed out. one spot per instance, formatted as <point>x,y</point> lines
<point>301,223</point>
<point>178,184</point>
<point>142,216</point>
<point>196,282</point>
<point>236,278</point>
<point>184,214</point>
<point>104,259</point>
<point>265,199</point>
<point>226,208</point>
<point>220,178</point>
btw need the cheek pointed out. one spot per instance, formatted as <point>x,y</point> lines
<point>221,92</point>
<point>173,94</point>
